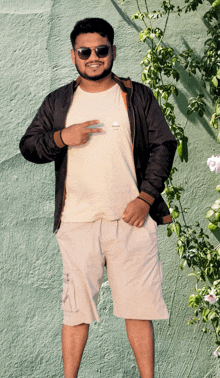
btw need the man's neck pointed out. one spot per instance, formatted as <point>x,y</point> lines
<point>98,85</point>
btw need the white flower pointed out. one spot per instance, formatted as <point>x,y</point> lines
<point>211,298</point>
<point>214,163</point>
<point>216,352</point>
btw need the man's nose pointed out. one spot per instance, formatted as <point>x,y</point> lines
<point>93,55</point>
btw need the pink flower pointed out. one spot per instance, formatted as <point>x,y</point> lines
<point>211,298</point>
<point>214,163</point>
<point>216,354</point>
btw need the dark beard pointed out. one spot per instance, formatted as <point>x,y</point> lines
<point>98,77</point>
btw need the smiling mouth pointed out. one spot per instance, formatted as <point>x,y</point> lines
<point>94,65</point>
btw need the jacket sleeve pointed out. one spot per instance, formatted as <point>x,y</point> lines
<point>161,150</point>
<point>41,143</point>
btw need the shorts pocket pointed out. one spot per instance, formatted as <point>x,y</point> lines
<point>68,295</point>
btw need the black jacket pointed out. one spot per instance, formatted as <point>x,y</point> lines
<point>154,145</point>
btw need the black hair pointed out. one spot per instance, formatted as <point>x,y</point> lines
<point>92,25</point>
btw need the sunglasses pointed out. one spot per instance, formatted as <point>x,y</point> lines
<point>85,52</point>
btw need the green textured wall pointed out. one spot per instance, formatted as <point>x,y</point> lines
<point>35,59</point>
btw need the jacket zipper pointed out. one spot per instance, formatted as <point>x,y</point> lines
<point>64,191</point>
<point>132,110</point>
<point>134,128</point>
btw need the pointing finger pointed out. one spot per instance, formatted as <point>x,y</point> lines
<point>90,123</point>
<point>90,131</point>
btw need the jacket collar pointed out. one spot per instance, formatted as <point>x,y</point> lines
<point>125,84</point>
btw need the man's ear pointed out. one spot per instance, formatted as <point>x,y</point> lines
<point>114,52</point>
<point>72,52</point>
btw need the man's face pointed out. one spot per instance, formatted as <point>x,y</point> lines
<point>94,68</point>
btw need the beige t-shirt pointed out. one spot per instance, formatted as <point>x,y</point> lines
<point>101,177</point>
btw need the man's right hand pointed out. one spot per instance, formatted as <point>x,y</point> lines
<point>76,135</point>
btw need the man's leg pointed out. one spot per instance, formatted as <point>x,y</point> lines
<point>73,343</point>
<point>141,337</point>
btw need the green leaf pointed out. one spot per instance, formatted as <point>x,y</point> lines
<point>216,4</point>
<point>194,300</point>
<point>215,81</point>
<point>212,226</point>
<point>154,14</point>
<point>216,206</point>
<point>183,264</point>
<point>210,214</point>
<point>169,232</point>
<point>212,315</point>
<point>180,250</point>
<point>191,300</point>
<point>174,212</point>
<point>196,104</point>
<point>180,150</point>
<point>205,314</point>
<point>192,274</point>
<point>193,321</point>
<point>138,15</point>
<point>217,110</point>
<point>165,96</point>
<point>214,121</point>
<point>177,228</point>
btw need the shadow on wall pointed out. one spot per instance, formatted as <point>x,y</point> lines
<point>191,84</point>
<point>125,17</point>
<point>216,233</point>
<point>194,87</point>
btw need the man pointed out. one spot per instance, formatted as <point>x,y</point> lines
<point>113,151</point>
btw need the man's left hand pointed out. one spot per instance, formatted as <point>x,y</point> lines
<point>136,212</point>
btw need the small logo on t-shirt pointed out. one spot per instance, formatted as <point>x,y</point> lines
<point>115,125</point>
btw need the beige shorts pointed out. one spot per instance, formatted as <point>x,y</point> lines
<point>131,258</point>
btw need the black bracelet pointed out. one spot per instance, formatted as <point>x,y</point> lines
<point>144,200</point>
<point>62,138</point>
